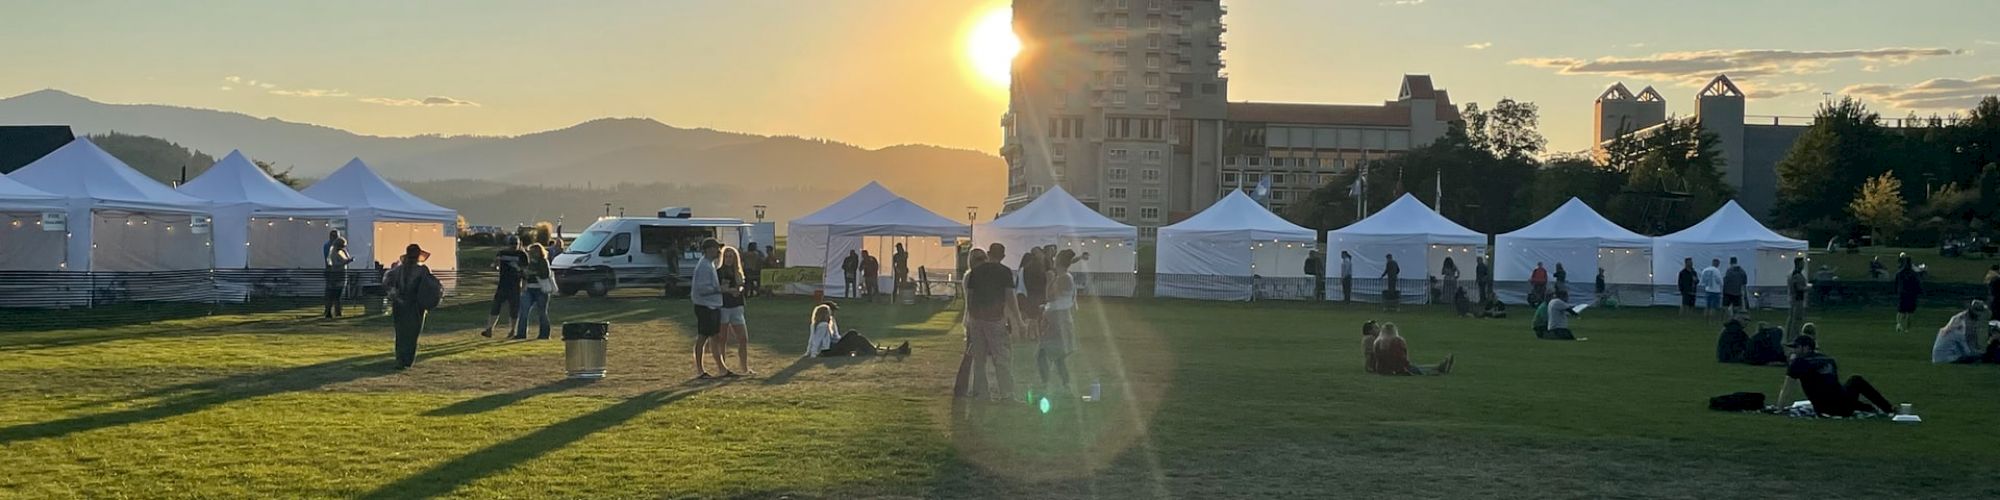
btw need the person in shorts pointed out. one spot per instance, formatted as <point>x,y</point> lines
<point>735,329</point>
<point>706,293</point>
<point>991,309</point>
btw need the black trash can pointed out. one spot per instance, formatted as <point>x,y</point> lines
<point>583,349</point>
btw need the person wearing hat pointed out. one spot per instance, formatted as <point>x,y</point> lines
<point>1958,341</point>
<point>1819,377</point>
<point>413,292</point>
<point>706,293</point>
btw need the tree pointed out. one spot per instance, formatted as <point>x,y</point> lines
<point>1507,131</point>
<point>285,177</point>
<point>1879,205</point>
<point>1673,179</point>
<point>1478,187</point>
<point>1563,178</point>
<point>1841,150</point>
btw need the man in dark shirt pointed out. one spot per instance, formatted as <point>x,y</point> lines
<point>1819,378</point>
<point>1686,284</point>
<point>849,266</point>
<point>1483,277</point>
<point>1734,281</point>
<point>509,261</point>
<point>1390,274</point>
<point>899,266</point>
<point>871,272</point>
<point>990,308</point>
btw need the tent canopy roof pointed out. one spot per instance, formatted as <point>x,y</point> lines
<point>82,170</point>
<point>898,217</point>
<point>355,186</point>
<point>236,181</point>
<point>1576,220</point>
<point>1238,213</point>
<point>1056,210</point>
<point>1409,217</point>
<point>14,194</point>
<point>1731,224</point>
<point>862,200</point>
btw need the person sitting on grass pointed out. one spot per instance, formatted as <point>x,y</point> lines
<point>1819,377</point>
<point>1958,341</point>
<point>1733,344</point>
<point>1392,355</point>
<point>1552,320</point>
<point>1369,332</point>
<point>828,341</point>
<point>1767,346</point>
<point>1462,302</point>
<point>1494,310</point>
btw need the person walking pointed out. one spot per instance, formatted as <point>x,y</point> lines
<point>1734,283</point>
<point>1346,277</point>
<point>990,309</point>
<point>706,293</point>
<point>734,326</point>
<point>509,261</point>
<point>1686,285</point>
<point>1711,288</point>
<point>413,292</point>
<point>1909,288</point>
<point>899,272</point>
<point>337,259</point>
<point>848,269</point>
<point>1538,284</point>
<point>1058,339</point>
<point>1796,287</point>
<point>1391,273</point>
<point>540,282</point>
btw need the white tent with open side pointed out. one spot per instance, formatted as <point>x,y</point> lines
<point>383,219</point>
<point>1056,218</point>
<point>1729,232</point>
<point>931,240</point>
<point>26,244</point>
<point>1234,250</point>
<point>805,237</point>
<point>1582,241</point>
<point>261,223</point>
<point>119,220</point>
<point>1414,234</point>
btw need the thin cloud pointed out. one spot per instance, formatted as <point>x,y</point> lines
<point>1757,91</point>
<point>428,102</point>
<point>310,92</point>
<point>1694,67</point>
<point>1406,2</point>
<point>1986,42</point>
<point>1479,46</point>
<point>1933,94</point>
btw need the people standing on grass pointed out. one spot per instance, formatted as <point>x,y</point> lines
<point>1734,283</point>
<point>413,292</point>
<point>1796,287</point>
<point>1450,272</point>
<point>849,269</point>
<point>1034,289</point>
<point>1875,268</point>
<point>1711,288</point>
<point>706,294</point>
<point>990,308</point>
<point>1538,284</point>
<point>1909,288</point>
<point>538,283</point>
<point>510,260</point>
<point>1686,285</point>
<point>1392,355</point>
<point>1993,285</point>
<point>1562,282</point>
<point>735,328</point>
<point>753,271</point>
<point>1483,279</point>
<point>1959,341</point>
<point>336,259</point>
<point>1819,377</point>
<point>899,270</point>
<point>1058,326</point>
<point>1346,277</point>
<point>1391,274</point>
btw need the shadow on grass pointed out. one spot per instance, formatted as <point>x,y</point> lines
<point>492,402</point>
<point>802,364</point>
<point>469,468</point>
<point>193,397</point>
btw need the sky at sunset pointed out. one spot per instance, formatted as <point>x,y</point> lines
<point>883,72</point>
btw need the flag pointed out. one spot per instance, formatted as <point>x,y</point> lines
<point>1263,186</point>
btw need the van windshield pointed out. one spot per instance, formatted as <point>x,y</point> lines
<point>587,242</point>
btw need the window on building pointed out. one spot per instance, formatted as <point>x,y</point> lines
<point>1149,194</point>
<point>1152,99</point>
<point>1120,20</point>
<point>1116,174</point>
<point>1278,178</point>
<point>1277,194</point>
<point>1153,61</point>
<point>1149,213</point>
<point>1118,98</point>
<point>1153,23</point>
<point>1118,80</point>
<point>1150,175</point>
<point>1375,139</point>
<point>1153,41</point>
<point>1229,161</point>
<point>1035,190</point>
<point>1058,155</point>
<point>1118,39</point>
<point>1152,156</point>
<point>1153,5</point>
<point>1115,212</point>
<point>1116,154</point>
<point>1153,80</point>
<point>1256,161</point>
<point>1254,137</point>
<point>1277,138</point>
<point>1231,178</point>
<point>1148,232</point>
<point>1121,4</point>
<point>1116,193</point>
<point>1338,164</point>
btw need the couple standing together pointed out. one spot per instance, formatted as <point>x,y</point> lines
<point>995,312</point>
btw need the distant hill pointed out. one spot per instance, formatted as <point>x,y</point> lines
<point>638,162</point>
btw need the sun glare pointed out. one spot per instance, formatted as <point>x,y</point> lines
<point>990,46</point>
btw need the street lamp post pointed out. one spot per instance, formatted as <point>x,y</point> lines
<point>760,212</point>
<point>607,210</point>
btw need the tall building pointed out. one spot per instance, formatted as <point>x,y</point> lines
<point>1124,103</point>
<point>1749,150</point>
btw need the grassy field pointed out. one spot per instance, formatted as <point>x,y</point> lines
<point>1945,269</point>
<point>1202,400</point>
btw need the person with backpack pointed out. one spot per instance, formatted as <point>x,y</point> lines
<point>507,293</point>
<point>413,292</point>
<point>337,259</point>
<point>538,283</point>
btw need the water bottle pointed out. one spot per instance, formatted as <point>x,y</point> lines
<point>1096,391</point>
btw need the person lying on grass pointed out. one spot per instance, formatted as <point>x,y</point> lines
<point>1392,355</point>
<point>1819,377</point>
<point>828,341</point>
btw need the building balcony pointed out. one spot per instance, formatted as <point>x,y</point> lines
<point>1173,105</point>
<point>1006,119</point>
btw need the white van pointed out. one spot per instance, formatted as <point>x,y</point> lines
<point>619,252</point>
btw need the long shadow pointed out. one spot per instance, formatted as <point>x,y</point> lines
<point>802,364</point>
<point>449,476</point>
<point>193,397</point>
<point>492,402</point>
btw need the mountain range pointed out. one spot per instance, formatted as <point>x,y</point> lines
<point>598,153</point>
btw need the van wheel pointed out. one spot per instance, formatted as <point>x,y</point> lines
<point>599,288</point>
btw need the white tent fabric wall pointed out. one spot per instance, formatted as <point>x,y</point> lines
<point>1728,233</point>
<point>249,207</point>
<point>806,236</point>
<point>392,237</point>
<point>1416,236</point>
<point>898,220</point>
<point>114,211</point>
<point>147,242</point>
<point>25,245</point>
<point>382,219</point>
<point>1056,218</point>
<point>1582,241</point>
<point>1234,250</point>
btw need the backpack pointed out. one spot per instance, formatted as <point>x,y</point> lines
<point>418,287</point>
<point>1741,401</point>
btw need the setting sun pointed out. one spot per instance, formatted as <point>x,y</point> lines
<point>990,46</point>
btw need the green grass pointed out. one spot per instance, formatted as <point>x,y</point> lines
<point>1203,400</point>
<point>1942,269</point>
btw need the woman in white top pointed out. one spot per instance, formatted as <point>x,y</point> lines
<point>828,341</point>
<point>1058,326</point>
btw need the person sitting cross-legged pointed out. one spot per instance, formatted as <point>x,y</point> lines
<point>1958,341</point>
<point>1392,355</point>
<point>1819,377</point>
<point>1552,320</point>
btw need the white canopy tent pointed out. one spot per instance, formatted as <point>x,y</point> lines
<point>805,237</point>
<point>1582,241</point>
<point>1413,233</point>
<point>26,244</point>
<point>261,223</point>
<point>1729,232</point>
<point>1234,250</point>
<point>119,220</point>
<point>931,240</point>
<point>1056,218</point>
<point>383,219</point>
